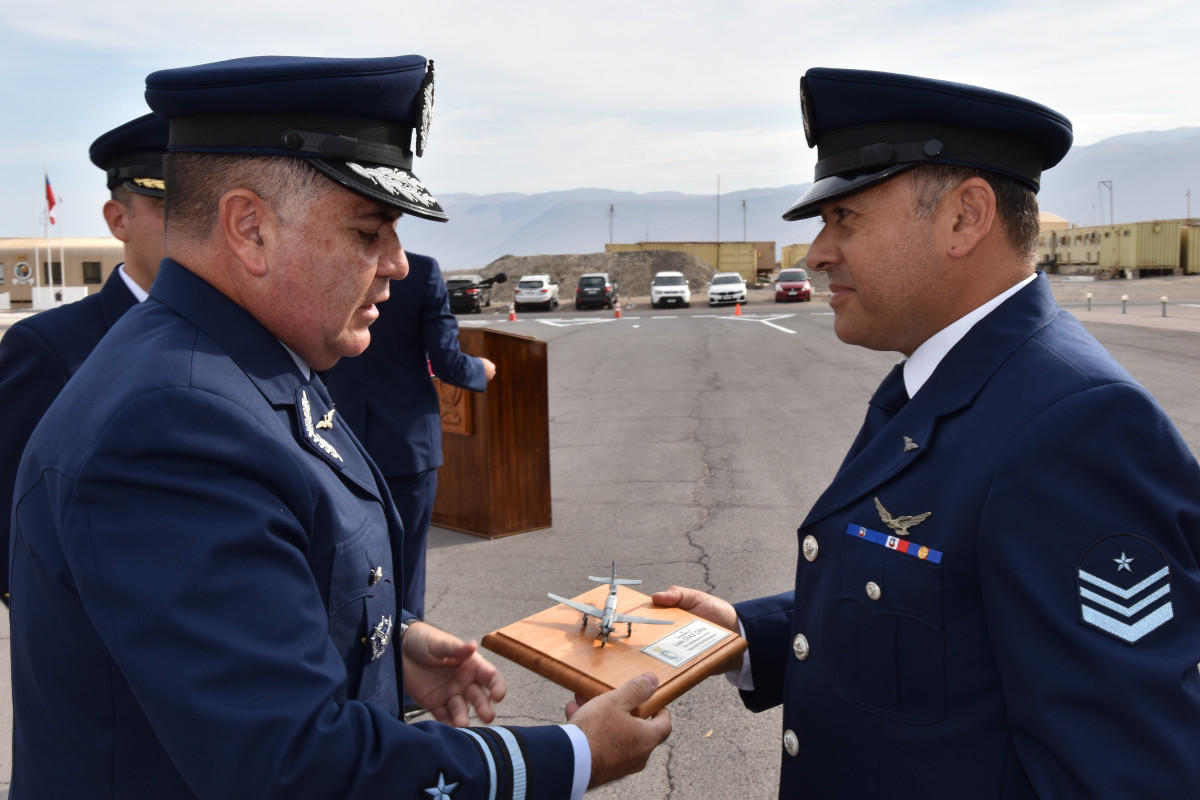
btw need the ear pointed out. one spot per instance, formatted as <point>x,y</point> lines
<point>116,215</point>
<point>971,210</point>
<point>241,216</point>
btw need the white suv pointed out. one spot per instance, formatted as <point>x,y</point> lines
<point>541,290</point>
<point>668,288</point>
<point>726,287</point>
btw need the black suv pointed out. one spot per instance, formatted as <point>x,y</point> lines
<point>596,289</point>
<point>471,292</point>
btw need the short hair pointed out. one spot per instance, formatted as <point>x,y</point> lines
<point>1016,203</point>
<point>197,181</point>
<point>123,194</point>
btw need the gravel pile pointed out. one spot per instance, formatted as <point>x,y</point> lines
<point>632,271</point>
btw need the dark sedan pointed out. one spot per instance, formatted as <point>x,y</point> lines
<point>471,292</point>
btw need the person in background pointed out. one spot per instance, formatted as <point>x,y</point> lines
<point>997,596</point>
<point>39,353</point>
<point>387,397</point>
<point>204,593</point>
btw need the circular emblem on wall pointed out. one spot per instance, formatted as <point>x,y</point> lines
<point>22,273</point>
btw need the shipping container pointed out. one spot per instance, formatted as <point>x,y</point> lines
<point>793,254</point>
<point>748,259</point>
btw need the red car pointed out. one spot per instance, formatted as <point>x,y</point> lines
<point>792,284</point>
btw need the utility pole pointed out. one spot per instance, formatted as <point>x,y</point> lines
<point>612,212</point>
<point>743,219</point>
<point>1110,198</point>
<point>1188,193</point>
<point>718,208</point>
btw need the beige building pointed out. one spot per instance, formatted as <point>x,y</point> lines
<point>1156,247</point>
<point>794,255</point>
<point>749,259</point>
<point>79,263</point>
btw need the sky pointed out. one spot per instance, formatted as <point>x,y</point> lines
<point>548,95</point>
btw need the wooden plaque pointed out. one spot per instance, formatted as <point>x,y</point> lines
<point>553,644</point>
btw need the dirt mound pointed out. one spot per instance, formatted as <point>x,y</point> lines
<point>632,271</point>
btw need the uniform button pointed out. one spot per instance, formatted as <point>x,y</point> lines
<point>810,548</point>
<point>873,590</point>
<point>800,646</point>
<point>790,742</point>
<point>376,575</point>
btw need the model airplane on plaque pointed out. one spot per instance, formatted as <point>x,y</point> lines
<point>553,644</point>
<point>609,618</point>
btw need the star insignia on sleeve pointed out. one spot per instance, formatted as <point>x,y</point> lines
<point>443,789</point>
<point>1124,561</point>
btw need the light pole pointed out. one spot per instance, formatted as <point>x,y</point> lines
<point>718,208</point>
<point>1110,198</point>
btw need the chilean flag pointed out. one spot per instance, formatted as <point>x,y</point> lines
<point>50,201</point>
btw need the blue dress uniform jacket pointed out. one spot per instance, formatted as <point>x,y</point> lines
<point>1038,633</point>
<point>386,394</point>
<point>37,356</point>
<point>202,569</point>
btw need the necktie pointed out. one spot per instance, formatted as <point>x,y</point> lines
<point>889,398</point>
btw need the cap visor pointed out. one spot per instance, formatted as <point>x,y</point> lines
<point>835,187</point>
<point>391,186</point>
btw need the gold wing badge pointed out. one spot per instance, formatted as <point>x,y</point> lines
<point>899,524</point>
<point>327,420</point>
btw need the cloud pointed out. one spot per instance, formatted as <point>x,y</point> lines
<point>546,95</point>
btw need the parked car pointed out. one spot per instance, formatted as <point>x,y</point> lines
<point>596,289</point>
<point>471,292</point>
<point>792,284</point>
<point>536,290</point>
<point>670,288</point>
<point>726,287</point>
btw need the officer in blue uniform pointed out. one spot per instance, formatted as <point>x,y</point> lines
<point>204,557</point>
<point>387,397</point>
<point>39,353</point>
<point>998,595</point>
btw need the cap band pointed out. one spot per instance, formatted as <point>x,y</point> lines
<point>870,148</point>
<point>340,138</point>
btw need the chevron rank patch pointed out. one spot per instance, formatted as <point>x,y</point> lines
<point>1125,587</point>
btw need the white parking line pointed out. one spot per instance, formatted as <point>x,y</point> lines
<point>572,323</point>
<point>764,320</point>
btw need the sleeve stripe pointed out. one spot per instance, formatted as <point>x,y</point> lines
<point>516,755</point>
<point>487,754</point>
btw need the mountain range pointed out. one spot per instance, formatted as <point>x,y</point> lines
<point>1127,178</point>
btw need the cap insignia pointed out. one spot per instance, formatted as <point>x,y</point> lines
<point>396,183</point>
<point>806,111</point>
<point>425,111</point>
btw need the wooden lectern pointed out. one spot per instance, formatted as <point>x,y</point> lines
<point>495,475</point>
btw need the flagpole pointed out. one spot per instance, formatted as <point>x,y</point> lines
<point>46,231</point>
